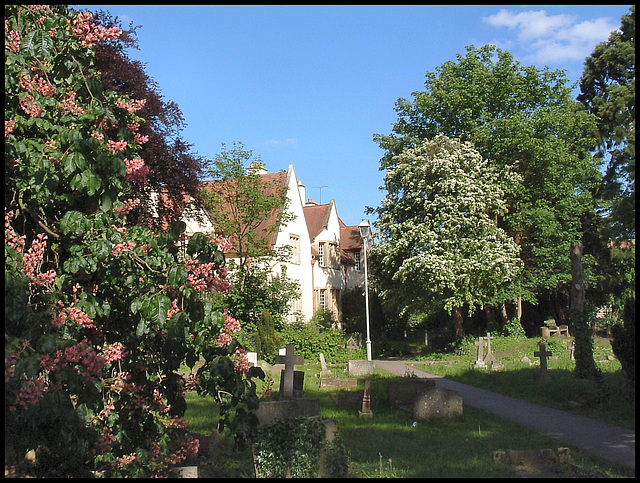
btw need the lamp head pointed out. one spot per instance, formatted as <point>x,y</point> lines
<point>365,228</point>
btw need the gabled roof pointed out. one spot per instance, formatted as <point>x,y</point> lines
<point>317,217</point>
<point>350,238</point>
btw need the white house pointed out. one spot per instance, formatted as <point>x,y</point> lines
<point>325,253</point>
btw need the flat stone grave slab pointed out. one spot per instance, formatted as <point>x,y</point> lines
<point>406,391</point>
<point>269,411</point>
<point>438,402</point>
<point>329,383</point>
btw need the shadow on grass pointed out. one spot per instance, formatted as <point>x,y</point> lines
<point>610,399</point>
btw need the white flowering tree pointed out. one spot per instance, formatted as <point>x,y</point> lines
<point>439,237</point>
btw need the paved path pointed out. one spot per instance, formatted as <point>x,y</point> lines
<point>611,442</point>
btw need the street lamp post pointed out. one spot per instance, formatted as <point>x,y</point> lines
<point>365,231</point>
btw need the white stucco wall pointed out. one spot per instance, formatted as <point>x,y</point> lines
<point>298,226</point>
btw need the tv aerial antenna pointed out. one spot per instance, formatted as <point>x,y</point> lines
<point>320,187</point>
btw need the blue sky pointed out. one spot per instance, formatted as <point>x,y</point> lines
<point>310,85</point>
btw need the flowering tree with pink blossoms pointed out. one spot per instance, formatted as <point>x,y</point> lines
<point>99,314</point>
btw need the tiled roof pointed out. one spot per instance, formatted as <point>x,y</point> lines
<point>317,217</point>
<point>350,238</point>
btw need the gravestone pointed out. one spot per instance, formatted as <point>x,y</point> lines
<point>480,364</point>
<point>334,383</point>
<point>270,411</point>
<point>366,401</point>
<point>324,372</point>
<point>352,345</point>
<point>438,402</point>
<point>490,358</point>
<point>543,354</point>
<point>252,357</point>
<point>288,375</point>
<point>405,392</point>
<point>360,367</point>
<point>183,472</point>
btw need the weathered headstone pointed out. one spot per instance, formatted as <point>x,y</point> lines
<point>252,357</point>
<point>287,380</point>
<point>360,367</point>
<point>490,358</point>
<point>366,401</point>
<point>324,372</point>
<point>543,354</point>
<point>352,345</point>
<point>480,358</point>
<point>183,472</point>
<point>438,402</point>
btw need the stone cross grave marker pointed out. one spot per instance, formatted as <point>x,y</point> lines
<point>290,359</point>
<point>480,359</point>
<point>543,353</point>
<point>351,345</point>
<point>490,358</point>
<point>323,363</point>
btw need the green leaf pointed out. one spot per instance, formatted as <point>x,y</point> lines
<point>155,308</point>
<point>141,329</point>
<point>177,275</point>
<point>37,43</point>
<point>73,222</point>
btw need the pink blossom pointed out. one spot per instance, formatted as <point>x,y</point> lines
<point>114,352</point>
<point>90,33</point>
<point>14,40</point>
<point>231,325</point>
<point>224,339</point>
<point>30,106</point>
<point>140,139</point>
<point>115,146</point>
<point>69,104</point>
<point>174,309</point>
<point>137,171</point>
<point>241,361</point>
<point>9,126</point>
<point>123,247</point>
<point>10,236</point>
<point>132,106</point>
<point>97,135</point>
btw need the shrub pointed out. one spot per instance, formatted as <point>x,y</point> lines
<point>514,328</point>
<point>268,341</point>
<point>310,340</point>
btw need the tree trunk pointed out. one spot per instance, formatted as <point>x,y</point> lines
<point>458,319</point>
<point>504,315</point>
<point>585,364</point>
<point>518,302</point>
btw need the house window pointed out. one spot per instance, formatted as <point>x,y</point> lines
<point>323,299</point>
<point>294,241</point>
<point>358,261</point>
<point>321,253</point>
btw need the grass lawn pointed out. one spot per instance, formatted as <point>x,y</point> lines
<point>613,401</point>
<point>389,445</point>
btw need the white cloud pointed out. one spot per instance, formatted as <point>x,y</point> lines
<point>553,38</point>
<point>293,142</point>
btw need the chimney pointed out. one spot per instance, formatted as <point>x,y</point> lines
<point>303,192</point>
<point>311,202</point>
<point>257,168</point>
